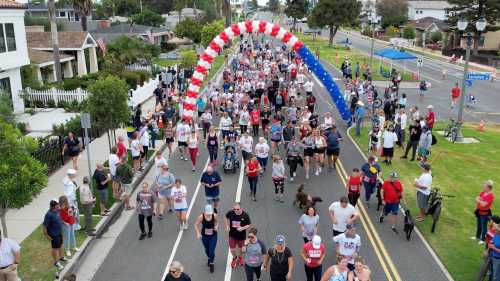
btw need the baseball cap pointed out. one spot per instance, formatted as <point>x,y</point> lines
<point>393,174</point>
<point>209,210</point>
<point>430,106</point>
<point>53,203</point>
<point>280,239</point>
<point>316,242</point>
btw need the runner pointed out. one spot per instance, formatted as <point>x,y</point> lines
<point>163,187</point>
<point>319,150</point>
<point>192,143</point>
<point>212,181</point>
<point>253,169</point>
<point>159,162</point>
<point>348,245</point>
<point>246,144</point>
<point>309,224</point>
<point>262,153</point>
<point>182,133</point>
<point>244,119</point>
<point>254,250</point>
<point>342,214</point>
<point>313,254</point>
<point>279,177</point>
<point>370,172</point>
<point>206,122</point>
<point>146,209</point>
<point>212,144</point>
<point>280,257</point>
<point>179,194</point>
<point>308,151</point>
<point>208,233</point>
<point>255,120</point>
<point>354,187</point>
<point>237,222</point>
<point>337,272</point>
<point>391,193</point>
<point>169,137</point>
<point>293,157</point>
<point>276,134</point>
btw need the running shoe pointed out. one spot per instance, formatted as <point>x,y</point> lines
<point>234,262</point>
<point>211,266</point>
<point>58,265</point>
<point>242,263</point>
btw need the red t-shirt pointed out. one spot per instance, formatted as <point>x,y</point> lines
<point>121,149</point>
<point>429,119</point>
<point>313,254</point>
<point>455,92</point>
<point>354,184</point>
<point>392,191</point>
<point>488,197</point>
<point>253,165</point>
<point>294,72</point>
<point>66,216</point>
<point>255,117</point>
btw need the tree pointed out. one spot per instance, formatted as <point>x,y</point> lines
<point>55,39</point>
<point>209,31</point>
<point>148,17</point>
<point>83,8</point>
<point>6,112</point>
<point>253,5</point>
<point>21,176</point>
<point>393,12</point>
<point>391,31</point>
<point>436,37</point>
<point>110,8</point>
<point>188,58</point>
<point>296,9</point>
<point>128,50</point>
<point>274,6</point>
<point>334,13</point>
<point>473,10</point>
<point>107,103</point>
<point>409,32</point>
<point>160,6</point>
<point>189,28</point>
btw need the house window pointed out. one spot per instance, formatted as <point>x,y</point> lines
<point>3,46</point>
<point>62,14</point>
<point>5,86</point>
<point>11,37</point>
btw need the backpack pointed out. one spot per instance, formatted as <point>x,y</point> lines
<point>434,140</point>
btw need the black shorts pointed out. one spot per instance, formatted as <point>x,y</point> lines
<point>169,140</point>
<point>57,241</point>
<point>144,151</point>
<point>136,157</point>
<point>182,143</point>
<point>309,152</point>
<point>319,150</point>
<point>335,152</point>
<point>388,152</point>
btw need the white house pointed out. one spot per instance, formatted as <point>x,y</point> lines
<point>13,50</point>
<point>423,9</point>
<point>172,18</point>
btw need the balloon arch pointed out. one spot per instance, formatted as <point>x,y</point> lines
<point>270,29</point>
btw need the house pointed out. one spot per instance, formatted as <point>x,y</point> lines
<point>73,46</point>
<point>172,18</point>
<point>425,26</point>
<point>156,35</point>
<point>67,12</point>
<point>421,9</point>
<point>13,50</point>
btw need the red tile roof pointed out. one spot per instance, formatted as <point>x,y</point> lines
<point>11,4</point>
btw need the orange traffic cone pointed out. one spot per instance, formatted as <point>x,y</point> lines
<point>481,126</point>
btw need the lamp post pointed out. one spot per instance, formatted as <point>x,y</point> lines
<point>462,26</point>
<point>374,20</point>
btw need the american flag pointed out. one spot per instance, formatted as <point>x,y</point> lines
<point>102,45</point>
<point>150,37</point>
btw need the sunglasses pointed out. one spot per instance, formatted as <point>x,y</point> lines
<point>236,210</point>
<point>174,271</point>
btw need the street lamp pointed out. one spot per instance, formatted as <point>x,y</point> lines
<point>462,26</point>
<point>374,20</point>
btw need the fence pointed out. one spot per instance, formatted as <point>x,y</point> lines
<point>140,67</point>
<point>55,95</point>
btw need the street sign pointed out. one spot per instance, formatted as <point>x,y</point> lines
<point>468,83</point>
<point>85,120</point>
<point>420,62</point>
<point>482,76</point>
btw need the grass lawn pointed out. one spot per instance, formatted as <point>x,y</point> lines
<point>165,62</point>
<point>36,260</point>
<point>460,170</point>
<point>336,54</point>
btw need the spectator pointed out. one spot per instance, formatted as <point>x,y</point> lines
<point>121,148</point>
<point>359,114</point>
<point>389,139</point>
<point>254,250</point>
<point>361,271</point>
<point>423,185</point>
<point>281,259</point>
<point>72,145</point>
<point>348,245</point>
<point>52,230</point>
<point>113,162</point>
<point>342,214</point>
<point>424,144</point>
<point>69,220</point>
<point>415,131</point>
<point>313,254</point>
<point>70,186</point>
<point>430,118</point>
<point>338,271</point>
<point>371,170</point>
<point>391,193</point>
<point>401,119</point>
<point>176,272</point>
<point>125,175</point>
<point>87,200</point>
<point>10,253</point>
<point>102,179</point>
<point>483,211</point>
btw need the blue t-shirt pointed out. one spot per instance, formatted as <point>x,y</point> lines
<point>496,242</point>
<point>53,223</point>
<point>366,170</point>
<point>207,179</point>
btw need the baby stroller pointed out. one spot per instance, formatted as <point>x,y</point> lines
<point>231,162</point>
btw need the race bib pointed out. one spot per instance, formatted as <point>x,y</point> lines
<point>209,231</point>
<point>314,254</point>
<point>253,259</point>
<point>236,224</point>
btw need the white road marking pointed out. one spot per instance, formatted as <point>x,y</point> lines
<point>317,81</point>
<point>181,232</point>
<point>229,269</point>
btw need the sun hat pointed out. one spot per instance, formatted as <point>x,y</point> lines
<point>316,242</point>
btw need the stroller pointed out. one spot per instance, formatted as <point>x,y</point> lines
<point>231,162</point>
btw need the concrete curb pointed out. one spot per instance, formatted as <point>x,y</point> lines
<point>116,211</point>
<point>419,234</point>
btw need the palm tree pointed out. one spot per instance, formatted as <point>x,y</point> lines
<point>83,8</point>
<point>55,40</point>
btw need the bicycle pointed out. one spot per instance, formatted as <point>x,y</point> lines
<point>435,206</point>
<point>452,129</point>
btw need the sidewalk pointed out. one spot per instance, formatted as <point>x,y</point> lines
<point>22,222</point>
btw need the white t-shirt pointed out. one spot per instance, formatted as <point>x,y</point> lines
<point>7,249</point>
<point>113,161</point>
<point>244,118</point>
<point>134,148</point>
<point>300,78</point>
<point>144,139</point>
<point>342,215</point>
<point>179,197</point>
<point>225,123</point>
<point>193,142</point>
<point>262,150</point>
<point>348,246</point>
<point>246,143</point>
<point>389,139</point>
<point>159,162</point>
<point>308,86</point>
<point>404,120</point>
<point>183,132</point>
<point>425,179</point>
<point>206,117</point>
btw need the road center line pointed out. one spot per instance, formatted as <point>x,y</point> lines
<point>317,80</point>
<point>229,269</point>
<point>181,232</point>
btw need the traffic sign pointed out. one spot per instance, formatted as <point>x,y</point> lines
<point>85,120</point>
<point>483,76</point>
<point>420,62</point>
<point>468,83</point>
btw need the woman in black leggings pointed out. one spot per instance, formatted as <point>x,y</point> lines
<point>145,209</point>
<point>212,144</point>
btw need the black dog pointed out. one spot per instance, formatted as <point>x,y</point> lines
<point>380,201</point>
<point>409,224</point>
<point>304,200</point>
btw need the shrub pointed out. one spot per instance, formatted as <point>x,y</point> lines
<point>71,84</point>
<point>391,31</point>
<point>436,37</point>
<point>409,32</point>
<point>132,78</point>
<point>51,104</point>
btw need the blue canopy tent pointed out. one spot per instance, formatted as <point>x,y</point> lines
<point>393,54</point>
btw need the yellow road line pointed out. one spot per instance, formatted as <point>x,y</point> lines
<point>371,227</point>
<point>370,237</point>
